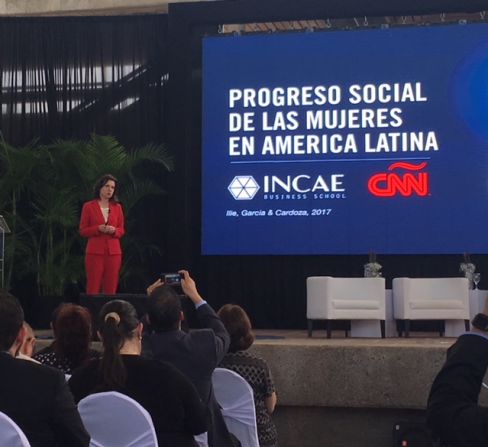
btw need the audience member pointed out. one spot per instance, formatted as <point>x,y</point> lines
<point>453,413</point>
<point>169,397</point>
<point>197,353</point>
<point>252,368</point>
<point>34,396</point>
<point>72,328</point>
<point>27,348</point>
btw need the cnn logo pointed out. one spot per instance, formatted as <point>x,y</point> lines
<point>389,184</point>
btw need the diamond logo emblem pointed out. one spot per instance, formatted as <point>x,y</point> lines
<point>243,187</point>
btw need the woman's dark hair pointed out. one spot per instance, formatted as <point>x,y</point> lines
<point>118,322</point>
<point>238,325</point>
<point>101,182</point>
<point>72,327</point>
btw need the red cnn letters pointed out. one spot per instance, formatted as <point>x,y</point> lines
<point>389,184</point>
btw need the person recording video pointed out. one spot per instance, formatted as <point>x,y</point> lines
<point>196,353</point>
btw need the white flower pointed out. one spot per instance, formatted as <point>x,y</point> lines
<point>372,270</point>
<point>467,267</point>
<point>373,266</point>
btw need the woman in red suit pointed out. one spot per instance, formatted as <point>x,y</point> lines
<point>102,222</point>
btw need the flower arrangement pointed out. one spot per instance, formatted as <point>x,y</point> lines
<point>372,269</point>
<point>468,269</point>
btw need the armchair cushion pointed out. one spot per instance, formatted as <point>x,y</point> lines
<point>355,304</point>
<point>331,298</point>
<point>436,304</point>
<point>431,298</point>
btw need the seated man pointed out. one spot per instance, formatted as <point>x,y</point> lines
<point>453,413</point>
<point>197,353</point>
<point>36,397</point>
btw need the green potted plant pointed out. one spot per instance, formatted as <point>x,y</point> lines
<point>42,188</point>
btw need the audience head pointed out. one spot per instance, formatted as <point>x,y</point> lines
<point>238,325</point>
<point>11,319</point>
<point>27,347</point>
<point>72,327</point>
<point>118,326</point>
<point>101,182</point>
<point>164,308</point>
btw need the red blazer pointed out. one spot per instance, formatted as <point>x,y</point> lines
<point>101,243</point>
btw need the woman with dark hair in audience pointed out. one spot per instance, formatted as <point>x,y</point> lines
<point>252,368</point>
<point>168,396</point>
<point>72,328</point>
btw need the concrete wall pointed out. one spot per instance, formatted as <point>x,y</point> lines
<point>358,373</point>
<point>350,392</point>
<point>82,7</point>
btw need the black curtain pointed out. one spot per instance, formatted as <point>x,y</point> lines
<point>68,77</point>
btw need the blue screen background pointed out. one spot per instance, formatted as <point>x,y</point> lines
<point>450,62</point>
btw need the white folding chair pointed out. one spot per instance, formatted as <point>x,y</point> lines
<point>202,439</point>
<point>10,433</point>
<point>236,398</point>
<point>115,420</point>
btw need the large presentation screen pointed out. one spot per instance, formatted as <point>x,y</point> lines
<point>346,142</point>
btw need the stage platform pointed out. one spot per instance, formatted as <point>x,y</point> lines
<point>346,392</point>
<point>352,372</point>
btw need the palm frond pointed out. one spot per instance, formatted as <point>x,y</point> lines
<point>158,154</point>
<point>132,193</point>
<point>56,207</point>
<point>111,155</point>
<point>41,190</point>
<point>17,167</point>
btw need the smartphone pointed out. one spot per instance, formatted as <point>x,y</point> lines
<point>172,279</point>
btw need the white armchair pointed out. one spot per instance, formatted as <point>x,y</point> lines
<point>430,299</point>
<point>331,298</point>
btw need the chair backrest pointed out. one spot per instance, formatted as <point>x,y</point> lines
<point>201,439</point>
<point>115,420</point>
<point>236,398</point>
<point>345,298</point>
<point>431,298</point>
<point>10,433</point>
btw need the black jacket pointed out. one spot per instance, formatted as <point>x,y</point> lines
<point>196,354</point>
<point>37,398</point>
<point>453,413</point>
<point>168,396</point>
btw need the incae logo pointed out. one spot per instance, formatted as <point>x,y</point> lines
<point>243,187</point>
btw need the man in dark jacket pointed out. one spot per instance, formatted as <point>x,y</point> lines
<point>35,397</point>
<point>197,353</point>
<point>453,412</point>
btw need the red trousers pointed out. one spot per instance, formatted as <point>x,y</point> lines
<point>102,273</point>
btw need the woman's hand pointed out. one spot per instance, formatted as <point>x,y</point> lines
<point>106,229</point>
